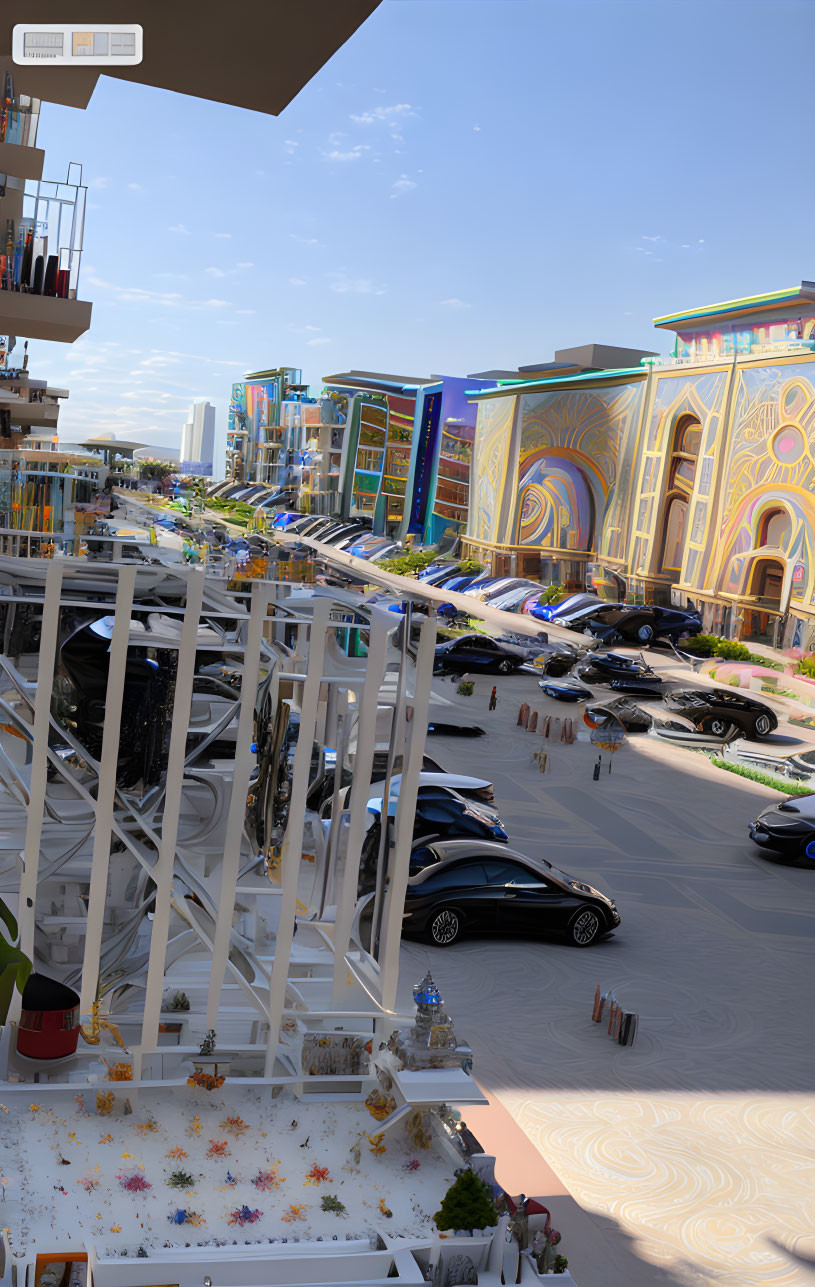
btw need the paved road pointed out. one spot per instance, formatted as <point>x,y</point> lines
<point>693,1152</point>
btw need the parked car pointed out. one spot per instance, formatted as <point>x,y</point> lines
<point>630,674</point>
<point>458,886</point>
<point>722,711</point>
<point>477,652</point>
<point>565,690</point>
<point>442,811</point>
<point>510,599</point>
<point>638,624</point>
<point>788,828</point>
<point>632,717</point>
<point>566,604</point>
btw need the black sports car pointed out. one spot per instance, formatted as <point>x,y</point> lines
<point>460,885</point>
<point>634,623</point>
<point>565,690</point>
<point>632,717</point>
<point>788,828</point>
<point>724,712</point>
<point>623,674</point>
<point>477,652</point>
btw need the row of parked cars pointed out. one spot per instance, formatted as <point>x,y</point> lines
<point>464,877</point>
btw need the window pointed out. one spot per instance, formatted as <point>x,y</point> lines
<point>462,877</point>
<point>510,873</point>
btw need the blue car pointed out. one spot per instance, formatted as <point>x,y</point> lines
<point>565,606</point>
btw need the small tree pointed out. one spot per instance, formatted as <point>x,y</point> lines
<point>467,1204</point>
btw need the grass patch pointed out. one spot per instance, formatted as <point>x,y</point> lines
<point>765,779</point>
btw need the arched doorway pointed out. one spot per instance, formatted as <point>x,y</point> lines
<point>774,528</point>
<point>767,582</point>
<point>685,444</point>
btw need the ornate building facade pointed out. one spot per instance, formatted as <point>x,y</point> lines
<point>685,479</point>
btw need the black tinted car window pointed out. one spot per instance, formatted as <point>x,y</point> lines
<point>510,873</point>
<point>461,877</point>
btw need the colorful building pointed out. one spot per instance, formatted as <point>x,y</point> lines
<point>254,432</point>
<point>687,479</point>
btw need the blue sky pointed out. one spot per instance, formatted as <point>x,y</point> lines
<point>467,184</point>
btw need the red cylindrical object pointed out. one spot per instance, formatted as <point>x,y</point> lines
<point>49,1020</point>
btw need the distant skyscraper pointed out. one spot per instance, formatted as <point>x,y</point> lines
<point>198,440</point>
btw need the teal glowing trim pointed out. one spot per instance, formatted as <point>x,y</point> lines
<point>734,306</point>
<point>475,394</point>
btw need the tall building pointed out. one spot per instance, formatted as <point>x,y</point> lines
<point>198,440</point>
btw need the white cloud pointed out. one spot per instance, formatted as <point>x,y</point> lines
<point>402,185</point>
<point>223,236</point>
<point>656,238</point>
<point>135,187</point>
<point>245,312</point>
<point>179,227</point>
<point>453,302</point>
<point>322,339</point>
<point>290,146</point>
<point>355,154</point>
<point>245,263</point>
<point>305,241</point>
<point>297,281</point>
<point>378,115</point>
<point>216,303</point>
<point>477,129</point>
<point>215,272</point>
<point>343,284</point>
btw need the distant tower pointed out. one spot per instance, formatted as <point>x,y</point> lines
<point>198,439</point>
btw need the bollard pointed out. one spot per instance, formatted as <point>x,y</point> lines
<point>533,722</point>
<point>523,715</point>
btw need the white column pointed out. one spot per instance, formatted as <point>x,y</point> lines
<point>241,777</point>
<point>163,870</point>
<point>49,636</point>
<point>103,807</point>
<point>360,794</point>
<point>399,857</point>
<point>292,847</point>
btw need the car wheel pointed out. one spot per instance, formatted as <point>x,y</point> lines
<point>645,634</point>
<point>505,666</point>
<point>585,927</point>
<point>718,727</point>
<point>445,927</point>
<point>762,725</point>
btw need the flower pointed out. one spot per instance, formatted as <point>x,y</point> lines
<point>35,1108</point>
<point>176,1153</point>
<point>268,1179</point>
<point>114,1228</point>
<point>217,1148</point>
<point>318,1175</point>
<point>294,1212</point>
<point>243,1215</point>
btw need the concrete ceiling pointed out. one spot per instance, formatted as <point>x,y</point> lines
<point>256,54</point>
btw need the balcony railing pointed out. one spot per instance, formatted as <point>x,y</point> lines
<point>43,251</point>
<point>776,348</point>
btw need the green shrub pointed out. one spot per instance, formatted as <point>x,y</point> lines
<point>467,1204</point>
<point>806,666</point>
<point>465,688</point>
<point>727,650</point>
<point>756,775</point>
<point>407,564</point>
<point>551,594</point>
<point>470,567</point>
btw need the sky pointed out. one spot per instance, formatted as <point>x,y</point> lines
<point>467,184</point>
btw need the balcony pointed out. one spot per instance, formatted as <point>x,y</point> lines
<point>39,285</point>
<point>778,348</point>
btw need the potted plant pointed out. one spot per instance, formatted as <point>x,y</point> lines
<point>467,1205</point>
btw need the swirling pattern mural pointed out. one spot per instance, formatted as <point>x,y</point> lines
<point>770,463</point>
<point>493,432</point>
<point>556,504</point>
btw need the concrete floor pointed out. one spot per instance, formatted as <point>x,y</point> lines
<point>690,1156</point>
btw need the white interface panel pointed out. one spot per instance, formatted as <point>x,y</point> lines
<point>71,45</point>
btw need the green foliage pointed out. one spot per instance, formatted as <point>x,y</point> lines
<point>465,688</point>
<point>728,650</point>
<point>470,567</point>
<point>467,1204</point>
<point>756,775</point>
<point>181,1180</point>
<point>561,1264</point>
<point>551,594</point>
<point>15,967</point>
<point>407,564</point>
<point>330,1202</point>
<point>806,666</point>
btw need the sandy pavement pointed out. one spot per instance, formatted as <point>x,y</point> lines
<point>692,1154</point>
